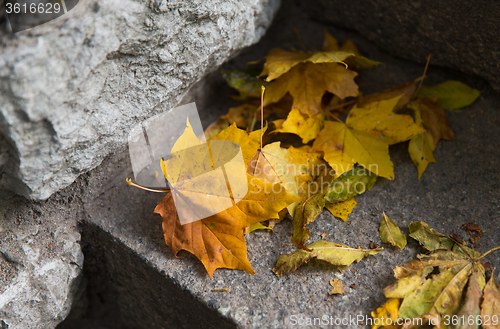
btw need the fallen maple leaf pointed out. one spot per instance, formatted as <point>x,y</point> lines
<point>279,62</point>
<point>306,127</point>
<point>218,240</point>
<point>378,118</point>
<point>391,234</point>
<point>333,253</point>
<point>294,168</point>
<point>358,61</point>
<point>308,82</point>
<point>365,138</point>
<point>249,142</point>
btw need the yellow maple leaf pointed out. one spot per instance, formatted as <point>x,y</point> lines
<point>217,240</point>
<point>293,168</point>
<point>365,138</point>
<point>304,126</point>
<point>308,82</point>
<point>343,147</point>
<point>406,91</point>
<point>379,119</point>
<point>279,62</point>
<point>357,61</point>
<point>249,142</point>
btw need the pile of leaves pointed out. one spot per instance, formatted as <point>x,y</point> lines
<point>324,143</point>
<point>444,287</point>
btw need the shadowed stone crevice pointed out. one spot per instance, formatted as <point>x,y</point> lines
<point>121,290</point>
<point>461,35</point>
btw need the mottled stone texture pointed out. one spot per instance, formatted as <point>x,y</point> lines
<point>40,262</point>
<point>462,34</point>
<point>71,89</point>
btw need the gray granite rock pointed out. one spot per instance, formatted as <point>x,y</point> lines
<point>462,35</point>
<point>72,88</point>
<point>40,264</point>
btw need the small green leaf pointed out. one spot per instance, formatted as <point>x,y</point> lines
<point>348,185</point>
<point>351,183</point>
<point>333,253</point>
<point>450,95</point>
<point>391,234</point>
<point>429,238</point>
<point>305,213</point>
<point>247,85</point>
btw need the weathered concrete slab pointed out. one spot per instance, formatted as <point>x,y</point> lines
<point>461,187</point>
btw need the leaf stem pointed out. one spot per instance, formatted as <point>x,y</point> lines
<point>129,182</point>
<point>158,181</point>
<point>263,89</point>
<point>341,105</point>
<point>334,116</point>
<point>423,76</point>
<point>254,120</point>
<point>486,253</point>
<point>299,38</point>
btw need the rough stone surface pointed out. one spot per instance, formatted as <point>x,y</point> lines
<point>461,35</point>
<point>71,89</point>
<point>132,280</point>
<point>40,263</point>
